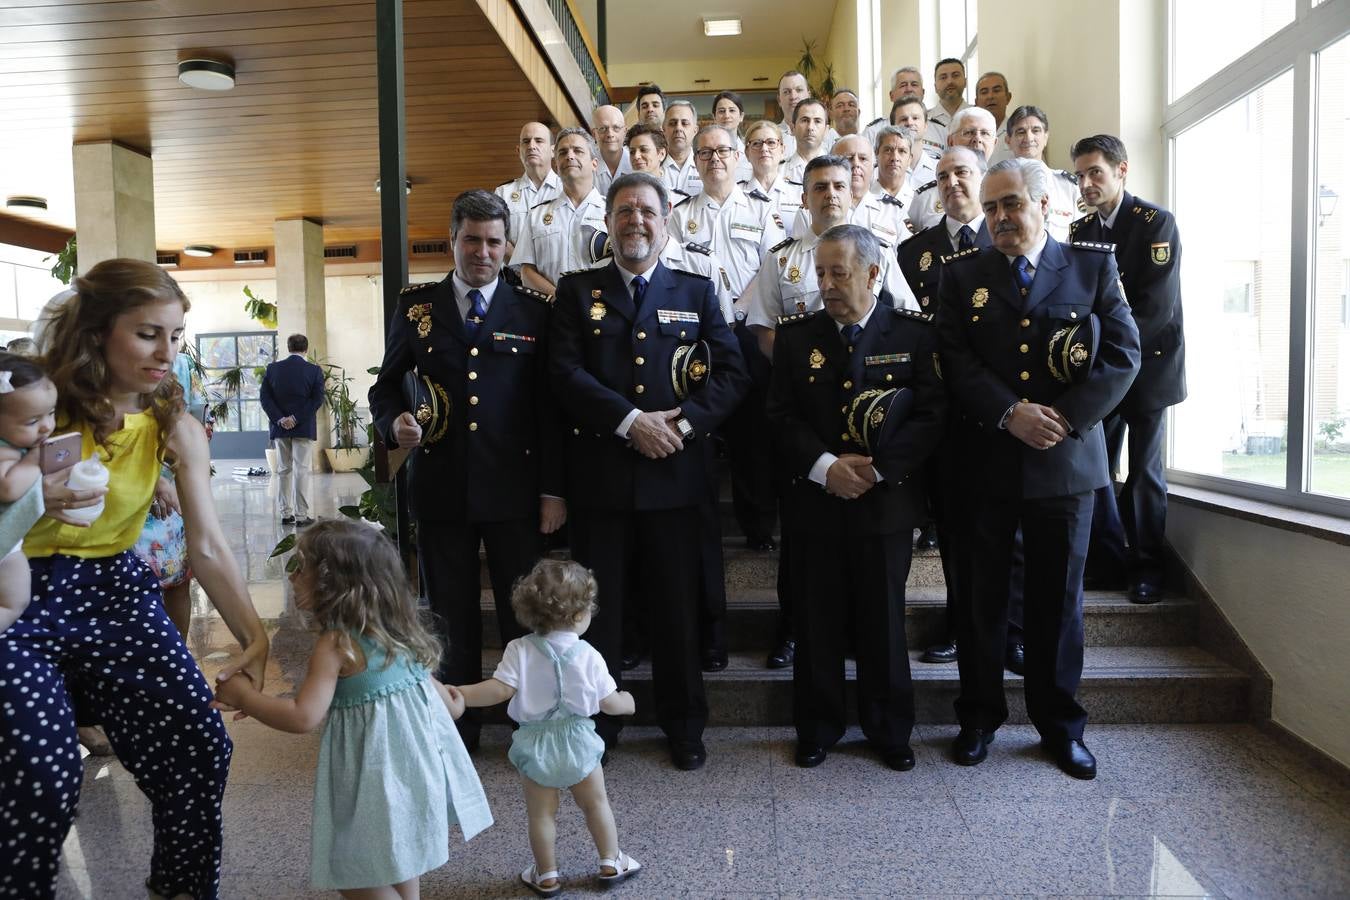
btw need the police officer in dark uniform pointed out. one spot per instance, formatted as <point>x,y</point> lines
<point>465,380</point>
<point>857,407</point>
<point>1038,346</point>
<point>634,484</point>
<point>1148,252</point>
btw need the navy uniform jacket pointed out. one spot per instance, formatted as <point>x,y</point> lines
<point>994,354</point>
<point>1148,252</point>
<point>815,379</point>
<point>292,387</point>
<point>606,359</point>
<point>502,447</point>
<point>923,256</point>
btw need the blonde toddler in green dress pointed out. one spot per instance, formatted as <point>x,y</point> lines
<point>393,774</point>
<point>555,682</point>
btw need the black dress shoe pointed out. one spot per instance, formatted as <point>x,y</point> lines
<point>782,656</point>
<point>810,755</point>
<point>761,544</point>
<point>630,659</point>
<point>688,755</point>
<point>714,659</point>
<point>1074,758</point>
<point>901,759</point>
<point>1145,592</point>
<point>1016,658</point>
<point>288,520</point>
<point>971,746</point>
<point>927,539</point>
<point>940,653</point>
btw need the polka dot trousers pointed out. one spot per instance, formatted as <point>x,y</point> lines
<point>96,628</point>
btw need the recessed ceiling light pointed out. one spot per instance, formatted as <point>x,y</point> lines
<point>26,202</point>
<point>407,185</point>
<point>721,27</point>
<point>206,74</point>
<point>199,250</point>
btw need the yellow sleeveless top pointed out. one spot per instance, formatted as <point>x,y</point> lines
<point>133,469</point>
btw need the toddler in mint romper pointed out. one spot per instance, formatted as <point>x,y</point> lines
<point>560,749</point>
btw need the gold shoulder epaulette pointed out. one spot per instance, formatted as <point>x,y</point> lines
<point>1099,246</point>
<point>417,287</point>
<point>781,245</point>
<point>961,254</point>
<point>913,314</point>
<point>533,294</point>
<point>573,272</point>
<point>796,317</point>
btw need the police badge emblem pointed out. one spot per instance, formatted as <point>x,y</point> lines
<point>1161,253</point>
<point>794,274</point>
<point>816,359</point>
<point>515,196</point>
<point>693,226</point>
<point>979,298</point>
<point>597,311</point>
<point>925,261</point>
<point>548,218</point>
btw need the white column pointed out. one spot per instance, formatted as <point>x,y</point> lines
<point>114,203</point>
<point>301,305</point>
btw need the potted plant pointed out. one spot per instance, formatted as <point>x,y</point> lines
<point>346,455</point>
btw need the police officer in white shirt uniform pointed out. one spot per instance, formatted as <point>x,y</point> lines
<point>537,184</point>
<point>552,242</point>
<point>905,82</point>
<point>764,145</point>
<point>949,77</point>
<point>608,129</point>
<point>895,148</point>
<point>786,283</point>
<point>679,171</point>
<point>880,213</point>
<point>793,89</point>
<point>729,112</point>
<point>973,128</point>
<point>1028,136</point>
<point>991,93</point>
<point>810,124</point>
<point>737,228</point>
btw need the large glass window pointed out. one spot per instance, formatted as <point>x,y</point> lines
<point>1233,212</point>
<point>1329,384</point>
<point>1208,36</point>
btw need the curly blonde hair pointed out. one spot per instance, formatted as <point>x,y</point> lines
<point>554,595</point>
<point>359,587</point>
<point>72,346</point>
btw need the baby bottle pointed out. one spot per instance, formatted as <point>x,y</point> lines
<point>85,475</point>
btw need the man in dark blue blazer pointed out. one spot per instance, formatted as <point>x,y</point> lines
<point>291,394</point>
<point>1034,453</point>
<point>634,485</point>
<point>487,471</point>
<point>1148,252</point>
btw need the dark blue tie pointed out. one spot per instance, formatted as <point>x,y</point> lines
<point>851,335</point>
<point>476,315</point>
<point>1022,275</point>
<point>965,238</point>
<point>639,291</point>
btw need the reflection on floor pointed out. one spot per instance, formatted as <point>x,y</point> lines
<point>1223,811</point>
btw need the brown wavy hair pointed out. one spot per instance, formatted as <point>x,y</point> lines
<point>73,334</point>
<point>554,595</point>
<point>359,587</point>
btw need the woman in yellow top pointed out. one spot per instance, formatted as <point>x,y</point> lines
<point>96,627</point>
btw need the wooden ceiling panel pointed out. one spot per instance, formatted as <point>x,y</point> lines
<point>297,135</point>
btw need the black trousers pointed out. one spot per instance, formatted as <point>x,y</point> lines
<point>1055,537</point>
<point>852,594</point>
<point>950,504</point>
<point>657,554</point>
<point>754,495</point>
<point>713,580</point>
<point>449,562</point>
<point>1131,527</point>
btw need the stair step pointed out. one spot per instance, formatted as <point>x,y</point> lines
<point>1120,685</point>
<point>1109,619</point>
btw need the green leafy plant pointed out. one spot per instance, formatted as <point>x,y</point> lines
<point>822,87</point>
<point>341,407</point>
<point>66,262</point>
<point>260,310</point>
<point>1330,431</point>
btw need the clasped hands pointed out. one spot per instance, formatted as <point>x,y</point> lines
<point>651,434</point>
<point>287,422</point>
<point>850,476</point>
<point>1039,427</point>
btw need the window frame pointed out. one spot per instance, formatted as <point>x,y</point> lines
<point>1314,29</point>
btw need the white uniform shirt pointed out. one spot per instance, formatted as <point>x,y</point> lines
<point>939,124</point>
<point>604,178</point>
<point>585,679</point>
<point>786,283</point>
<point>1001,151</point>
<point>682,177</point>
<point>883,217</point>
<point>739,231</point>
<point>521,196</point>
<point>1066,204</point>
<point>744,171</point>
<point>901,197</point>
<point>784,200</point>
<point>552,240</point>
<point>925,209</point>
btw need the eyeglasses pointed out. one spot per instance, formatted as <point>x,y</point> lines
<point>771,143</point>
<point>641,212</point>
<point>977,132</point>
<point>721,152</point>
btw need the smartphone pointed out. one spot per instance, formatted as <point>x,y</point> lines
<point>60,452</point>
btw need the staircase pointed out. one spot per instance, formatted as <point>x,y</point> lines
<point>1143,664</point>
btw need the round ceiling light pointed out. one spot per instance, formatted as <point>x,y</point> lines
<point>39,203</point>
<point>199,250</point>
<point>206,74</point>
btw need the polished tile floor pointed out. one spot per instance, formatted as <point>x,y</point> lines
<point>1221,811</point>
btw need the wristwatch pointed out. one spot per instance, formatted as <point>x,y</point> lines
<point>687,432</point>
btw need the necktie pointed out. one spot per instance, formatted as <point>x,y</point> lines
<point>1022,275</point>
<point>639,291</point>
<point>476,315</point>
<point>851,334</point>
<point>965,238</point>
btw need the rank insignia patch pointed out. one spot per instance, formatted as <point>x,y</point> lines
<point>979,298</point>
<point>1161,252</point>
<point>597,311</point>
<point>925,261</point>
<point>816,359</point>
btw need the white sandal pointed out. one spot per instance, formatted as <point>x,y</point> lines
<point>532,880</point>
<point>624,867</point>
